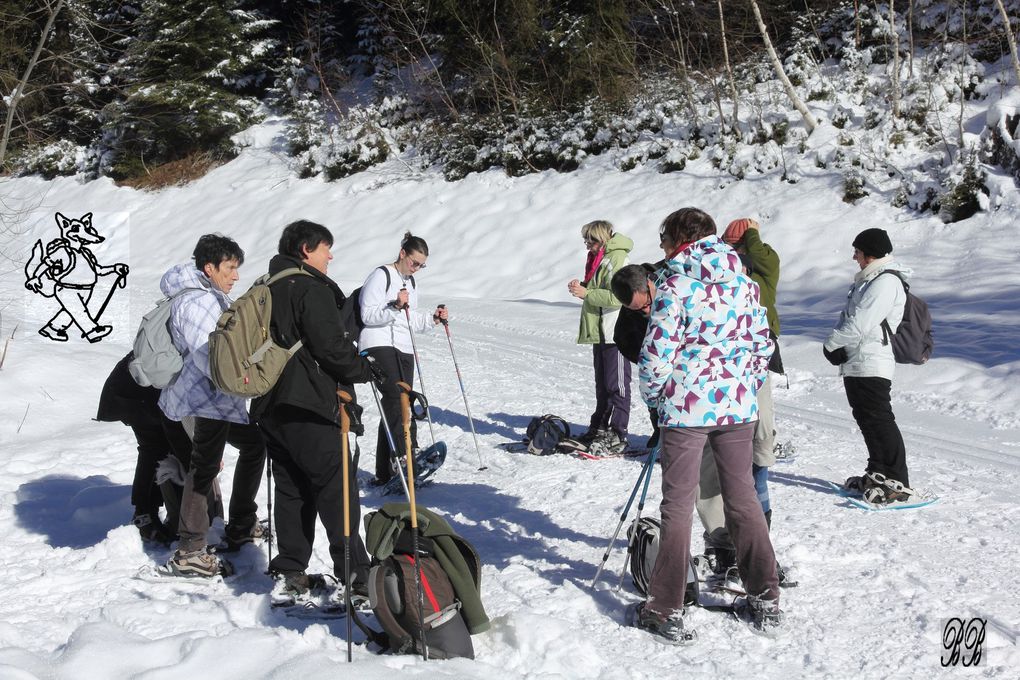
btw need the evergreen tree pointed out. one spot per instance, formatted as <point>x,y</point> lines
<point>188,76</point>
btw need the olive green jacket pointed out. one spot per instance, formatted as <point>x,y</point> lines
<point>765,272</point>
<point>455,555</point>
<point>600,307</point>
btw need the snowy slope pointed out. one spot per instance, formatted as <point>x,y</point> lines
<point>876,588</point>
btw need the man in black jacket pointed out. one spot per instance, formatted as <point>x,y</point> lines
<point>300,415</point>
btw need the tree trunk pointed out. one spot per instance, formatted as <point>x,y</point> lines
<point>809,120</point>
<point>726,61</point>
<point>19,89</point>
<point>1012,41</point>
<point>895,61</point>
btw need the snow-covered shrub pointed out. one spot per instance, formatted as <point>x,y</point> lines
<point>961,196</point>
<point>63,157</point>
<point>853,186</point>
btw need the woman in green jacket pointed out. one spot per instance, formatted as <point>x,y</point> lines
<point>607,253</point>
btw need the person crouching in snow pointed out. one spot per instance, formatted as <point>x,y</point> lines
<point>607,253</point>
<point>704,359</point>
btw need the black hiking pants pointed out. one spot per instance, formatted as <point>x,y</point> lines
<point>305,452</point>
<point>398,367</point>
<point>871,405</point>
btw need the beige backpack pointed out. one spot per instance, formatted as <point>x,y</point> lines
<point>243,358</point>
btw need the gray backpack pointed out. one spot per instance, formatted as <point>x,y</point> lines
<point>157,361</point>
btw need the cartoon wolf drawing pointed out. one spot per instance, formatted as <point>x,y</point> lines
<point>68,271</point>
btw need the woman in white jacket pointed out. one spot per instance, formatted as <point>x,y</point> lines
<point>389,312</point>
<point>865,359</point>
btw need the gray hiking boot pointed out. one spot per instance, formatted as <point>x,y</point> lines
<point>296,587</point>
<point>197,564</point>
<point>882,490</point>
<point>234,537</point>
<point>670,628</point>
<point>763,615</point>
<point>610,443</point>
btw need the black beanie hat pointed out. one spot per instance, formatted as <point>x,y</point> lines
<point>873,242</point>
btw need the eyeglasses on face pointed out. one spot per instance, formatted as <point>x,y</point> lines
<point>588,240</point>
<point>415,264</point>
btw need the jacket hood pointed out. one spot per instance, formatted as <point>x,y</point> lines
<point>709,260</point>
<point>183,276</point>
<point>619,242</point>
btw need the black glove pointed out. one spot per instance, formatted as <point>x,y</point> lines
<point>379,376</point>
<point>354,412</point>
<point>837,356</point>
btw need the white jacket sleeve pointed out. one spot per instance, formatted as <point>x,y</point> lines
<point>875,305</point>
<point>374,301</point>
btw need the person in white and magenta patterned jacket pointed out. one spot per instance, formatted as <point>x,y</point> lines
<point>704,357</point>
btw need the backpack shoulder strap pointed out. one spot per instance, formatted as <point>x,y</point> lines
<point>290,271</point>
<point>887,331</point>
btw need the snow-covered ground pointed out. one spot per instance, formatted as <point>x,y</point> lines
<point>875,588</point>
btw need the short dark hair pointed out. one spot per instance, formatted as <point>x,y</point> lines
<point>687,225</point>
<point>303,235</point>
<point>414,244</point>
<point>216,249</point>
<point>627,281</point>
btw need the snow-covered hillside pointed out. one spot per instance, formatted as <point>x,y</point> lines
<point>875,588</point>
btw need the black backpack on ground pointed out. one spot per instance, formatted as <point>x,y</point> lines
<point>352,306</point>
<point>912,342</point>
<point>545,433</point>
<point>643,537</point>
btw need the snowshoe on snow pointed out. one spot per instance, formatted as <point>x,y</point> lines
<point>426,462</point>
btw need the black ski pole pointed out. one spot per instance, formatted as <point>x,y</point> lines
<point>463,392</point>
<point>343,398</point>
<point>646,470</point>
<point>269,508</point>
<point>405,413</point>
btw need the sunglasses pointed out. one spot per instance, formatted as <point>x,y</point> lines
<point>415,264</point>
<point>590,241</point>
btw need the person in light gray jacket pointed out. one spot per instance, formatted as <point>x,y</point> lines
<point>219,418</point>
<point>865,358</point>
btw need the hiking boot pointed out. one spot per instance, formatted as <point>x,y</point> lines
<point>854,484</point>
<point>52,333</point>
<point>197,564</point>
<point>882,490</point>
<point>297,587</point>
<point>98,333</point>
<point>590,436</point>
<point>763,615</point>
<point>611,443</point>
<point>670,628</point>
<point>152,530</point>
<point>722,559</point>
<point>233,538</point>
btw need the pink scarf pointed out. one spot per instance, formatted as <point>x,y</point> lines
<point>594,260</point>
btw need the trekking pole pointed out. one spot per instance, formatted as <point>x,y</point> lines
<point>389,440</point>
<point>119,283</point>
<point>421,376</point>
<point>640,507</point>
<point>646,473</point>
<point>471,422</point>
<point>343,398</point>
<point>269,508</point>
<point>405,413</point>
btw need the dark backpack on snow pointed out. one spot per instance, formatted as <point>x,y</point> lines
<point>643,536</point>
<point>912,342</point>
<point>545,433</point>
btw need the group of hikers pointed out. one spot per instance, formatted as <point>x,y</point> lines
<point>701,325</point>
<point>297,422</point>
<point>703,328</point>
